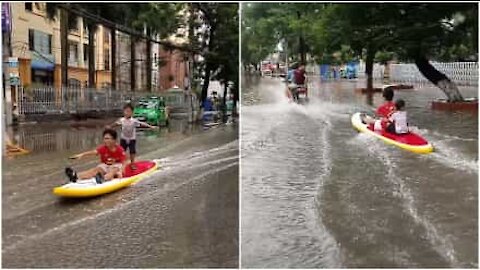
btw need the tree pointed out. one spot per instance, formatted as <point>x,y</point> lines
<point>437,28</point>
<point>226,51</point>
<point>219,42</point>
<point>160,20</point>
<point>265,25</point>
<point>410,31</point>
<point>415,32</point>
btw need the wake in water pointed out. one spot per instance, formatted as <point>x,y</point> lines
<point>314,148</point>
<point>400,188</point>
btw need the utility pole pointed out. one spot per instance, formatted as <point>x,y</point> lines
<point>149,61</point>
<point>132,63</point>
<point>6,53</point>
<point>64,46</point>
<point>301,42</point>
<point>113,34</point>
<point>191,58</point>
<point>286,61</point>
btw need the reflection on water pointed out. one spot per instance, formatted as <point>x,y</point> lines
<point>54,137</point>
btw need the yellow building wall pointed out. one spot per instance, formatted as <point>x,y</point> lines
<point>24,20</point>
<point>25,71</point>
<point>103,77</point>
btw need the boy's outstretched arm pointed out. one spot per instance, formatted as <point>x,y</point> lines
<point>114,124</point>
<point>88,153</point>
<point>146,125</point>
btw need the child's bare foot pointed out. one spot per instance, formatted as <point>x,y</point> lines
<point>133,166</point>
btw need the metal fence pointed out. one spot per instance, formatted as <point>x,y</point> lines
<point>50,100</point>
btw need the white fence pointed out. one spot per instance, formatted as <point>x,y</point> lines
<point>462,73</point>
<point>378,71</point>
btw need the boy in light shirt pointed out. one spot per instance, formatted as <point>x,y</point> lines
<point>128,134</point>
<point>398,123</point>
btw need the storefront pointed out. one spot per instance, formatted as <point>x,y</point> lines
<point>42,69</point>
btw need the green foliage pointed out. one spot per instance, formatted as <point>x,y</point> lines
<point>264,25</point>
<point>341,32</point>
<point>383,57</point>
<point>219,43</point>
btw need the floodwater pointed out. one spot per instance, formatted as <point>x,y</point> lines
<point>184,215</point>
<point>316,194</point>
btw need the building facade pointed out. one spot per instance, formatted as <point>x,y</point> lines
<point>36,42</point>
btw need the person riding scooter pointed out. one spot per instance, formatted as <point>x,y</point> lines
<point>298,81</point>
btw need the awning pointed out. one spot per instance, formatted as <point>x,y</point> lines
<point>43,61</point>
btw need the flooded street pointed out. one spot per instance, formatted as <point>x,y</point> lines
<point>316,194</point>
<point>184,215</point>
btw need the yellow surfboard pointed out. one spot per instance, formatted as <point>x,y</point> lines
<point>411,142</point>
<point>90,188</point>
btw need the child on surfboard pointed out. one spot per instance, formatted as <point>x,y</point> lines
<point>128,133</point>
<point>398,119</point>
<point>112,158</point>
<point>383,111</point>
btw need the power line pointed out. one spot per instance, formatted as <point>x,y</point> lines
<point>84,14</point>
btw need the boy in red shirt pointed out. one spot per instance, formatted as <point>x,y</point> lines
<point>383,112</point>
<point>112,157</point>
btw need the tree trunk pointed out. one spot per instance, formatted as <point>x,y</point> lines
<point>64,46</point>
<point>149,62</point>
<point>132,64</point>
<point>114,58</point>
<point>224,102</point>
<point>91,55</point>
<point>192,41</point>
<point>235,101</point>
<point>439,79</point>
<point>208,66</point>
<point>369,68</point>
<point>301,44</point>
<point>206,82</point>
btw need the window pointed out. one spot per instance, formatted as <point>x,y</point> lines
<point>29,6</point>
<point>75,26</point>
<point>50,44</point>
<point>106,57</point>
<point>39,41</point>
<point>106,36</point>
<point>85,52</point>
<point>31,39</point>
<point>72,53</point>
<point>38,6</point>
